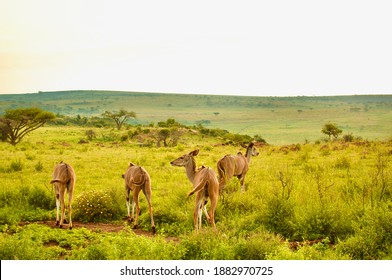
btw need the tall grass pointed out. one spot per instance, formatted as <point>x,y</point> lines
<point>339,200</point>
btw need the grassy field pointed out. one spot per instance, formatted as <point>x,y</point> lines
<point>330,200</point>
<point>279,120</point>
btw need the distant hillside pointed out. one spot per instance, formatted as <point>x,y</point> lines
<point>279,120</point>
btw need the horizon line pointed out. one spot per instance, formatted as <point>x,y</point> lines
<point>191,93</point>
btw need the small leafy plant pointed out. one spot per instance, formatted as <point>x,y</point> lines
<point>94,206</point>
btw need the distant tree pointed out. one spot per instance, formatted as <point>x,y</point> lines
<point>348,137</point>
<point>90,134</point>
<point>119,117</point>
<point>81,120</point>
<point>163,135</point>
<point>331,129</point>
<point>169,123</point>
<point>17,123</point>
<point>259,138</point>
<point>169,137</point>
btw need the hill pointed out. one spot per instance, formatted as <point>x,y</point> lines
<point>279,120</point>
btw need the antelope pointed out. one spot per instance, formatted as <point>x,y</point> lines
<point>136,179</point>
<point>205,185</point>
<point>63,179</point>
<point>237,165</point>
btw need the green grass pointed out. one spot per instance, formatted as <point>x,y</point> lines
<point>336,192</point>
<point>280,120</point>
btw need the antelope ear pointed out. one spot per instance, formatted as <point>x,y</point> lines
<point>244,146</point>
<point>251,144</point>
<point>194,153</point>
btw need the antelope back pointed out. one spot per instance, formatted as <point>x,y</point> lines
<point>136,175</point>
<point>64,173</point>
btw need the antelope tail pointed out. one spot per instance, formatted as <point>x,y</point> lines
<point>221,172</point>
<point>67,183</point>
<point>199,187</point>
<point>57,181</point>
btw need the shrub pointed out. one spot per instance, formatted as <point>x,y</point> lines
<point>97,252</point>
<point>124,137</point>
<point>10,197</point>
<point>14,248</point>
<point>40,198</point>
<point>206,245</point>
<point>15,166</point>
<point>256,247</point>
<point>318,251</point>
<point>373,237</point>
<point>279,216</point>
<point>90,134</point>
<point>93,206</point>
<point>109,136</point>
<point>8,216</point>
<point>348,137</point>
<point>319,223</point>
<point>259,138</point>
<point>126,245</point>
<point>39,166</point>
<point>343,163</point>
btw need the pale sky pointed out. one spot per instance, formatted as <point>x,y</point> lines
<point>266,48</point>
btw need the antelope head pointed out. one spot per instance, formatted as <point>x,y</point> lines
<point>253,150</point>
<point>185,159</point>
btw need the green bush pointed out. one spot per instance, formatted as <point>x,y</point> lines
<point>348,137</point>
<point>256,246</point>
<point>206,245</point>
<point>279,217</point>
<point>10,197</point>
<point>15,166</point>
<point>343,163</point>
<point>41,198</point>
<point>8,216</point>
<point>372,239</point>
<point>318,251</point>
<point>320,223</point>
<point>126,245</point>
<point>39,166</point>
<point>16,248</point>
<point>124,137</point>
<point>94,206</point>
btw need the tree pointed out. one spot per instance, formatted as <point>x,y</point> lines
<point>90,134</point>
<point>169,123</point>
<point>17,123</point>
<point>119,117</point>
<point>169,137</point>
<point>163,135</point>
<point>331,129</point>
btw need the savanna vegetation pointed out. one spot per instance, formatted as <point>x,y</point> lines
<point>326,200</point>
<point>323,199</point>
<point>280,120</point>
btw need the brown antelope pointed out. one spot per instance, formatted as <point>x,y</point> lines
<point>205,185</point>
<point>237,165</point>
<point>137,179</point>
<point>63,179</point>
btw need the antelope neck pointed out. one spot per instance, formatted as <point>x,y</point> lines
<point>248,154</point>
<point>191,170</point>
